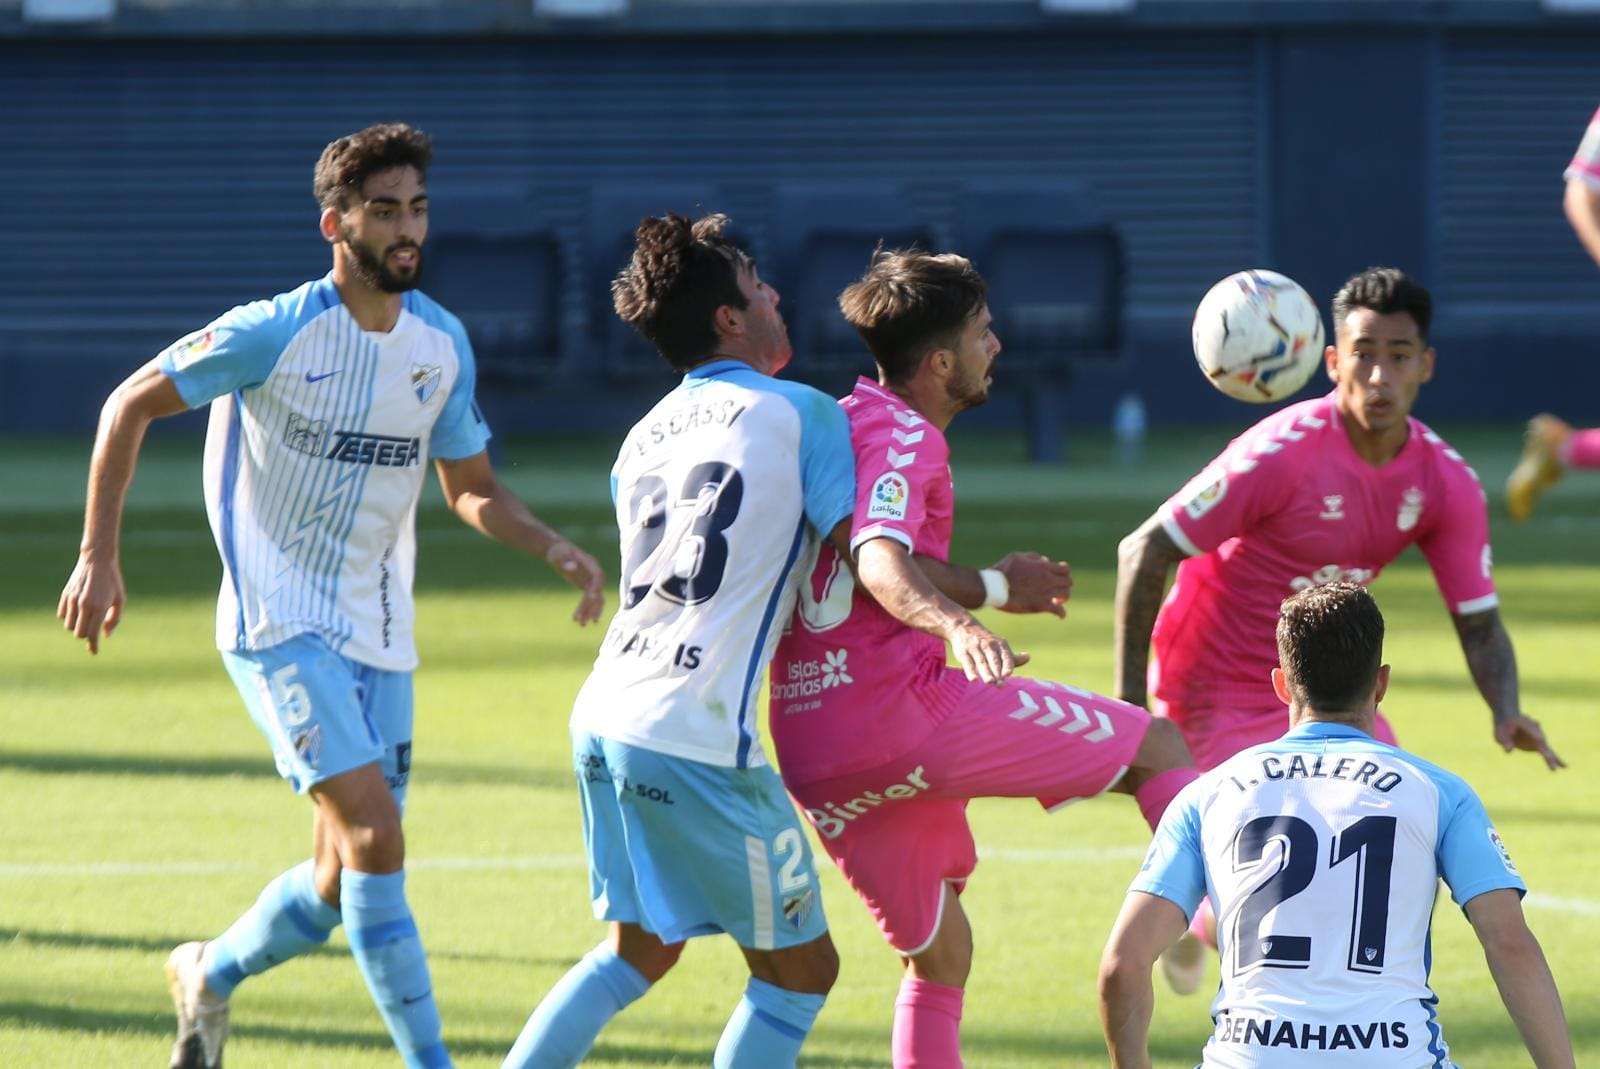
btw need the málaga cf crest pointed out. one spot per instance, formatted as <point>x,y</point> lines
<point>424,380</point>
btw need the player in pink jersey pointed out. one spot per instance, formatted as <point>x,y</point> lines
<point>880,742</point>
<point>1325,490</point>
<point>1552,445</point>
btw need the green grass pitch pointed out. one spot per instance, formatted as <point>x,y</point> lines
<point>139,808</point>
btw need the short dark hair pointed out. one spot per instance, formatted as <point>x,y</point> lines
<point>351,160</point>
<point>1384,290</point>
<point>909,300</point>
<point>679,275</point>
<point>1330,644</point>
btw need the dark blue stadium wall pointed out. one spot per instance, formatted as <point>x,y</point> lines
<point>157,173</point>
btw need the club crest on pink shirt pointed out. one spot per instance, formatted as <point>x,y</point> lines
<point>1410,509</point>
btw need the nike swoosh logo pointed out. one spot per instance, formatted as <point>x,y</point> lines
<point>325,375</point>
<point>413,1001</point>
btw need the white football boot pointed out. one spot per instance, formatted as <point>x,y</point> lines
<point>202,1016</point>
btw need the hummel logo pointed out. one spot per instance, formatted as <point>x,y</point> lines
<point>325,375</point>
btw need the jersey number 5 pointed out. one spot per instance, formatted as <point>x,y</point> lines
<point>1369,840</point>
<point>677,548</point>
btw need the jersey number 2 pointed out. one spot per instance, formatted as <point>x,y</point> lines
<point>1369,840</point>
<point>677,548</point>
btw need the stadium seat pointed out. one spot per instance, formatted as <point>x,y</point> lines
<point>495,267</point>
<point>825,236</point>
<point>614,213</point>
<point>1054,264</point>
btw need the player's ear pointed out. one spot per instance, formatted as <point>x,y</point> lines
<point>727,320</point>
<point>1280,686</point>
<point>1428,356</point>
<point>329,225</point>
<point>1383,683</point>
<point>1330,360</point>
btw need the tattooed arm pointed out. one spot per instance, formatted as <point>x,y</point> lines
<point>1144,560</point>
<point>1493,664</point>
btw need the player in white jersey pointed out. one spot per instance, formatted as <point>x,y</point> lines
<point>1322,852</point>
<point>722,493</point>
<point>326,404</point>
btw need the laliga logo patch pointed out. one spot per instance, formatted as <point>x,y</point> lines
<point>424,381</point>
<point>192,348</point>
<point>889,495</point>
<point>1206,497</point>
<point>1500,848</point>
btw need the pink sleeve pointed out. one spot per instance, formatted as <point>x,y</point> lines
<point>1247,481</point>
<point>897,460</point>
<point>1456,544</point>
<point>1586,161</point>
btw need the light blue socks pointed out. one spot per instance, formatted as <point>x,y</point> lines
<point>289,918</point>
<point>565,1024</point>
<point>383,937</point>
<point>767,1028</point>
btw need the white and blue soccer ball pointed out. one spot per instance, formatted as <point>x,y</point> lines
<point>1258,336</point>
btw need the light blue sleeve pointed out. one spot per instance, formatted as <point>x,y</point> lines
<point>460,430</point>
<point>827,463</point>
<point>1174,866</point>
<point>235,352</point>
<point>1471,856</point>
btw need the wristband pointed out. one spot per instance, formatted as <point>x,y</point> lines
<point>996,588</point>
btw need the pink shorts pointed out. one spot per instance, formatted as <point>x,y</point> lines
<point>1216,734</point>
<point>899,831</point>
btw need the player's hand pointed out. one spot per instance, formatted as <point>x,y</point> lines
<point>984,655</point>
<point>583,572</point>
<point>1038,584</point>
<point>1524,733</point>
<point>91,602</point>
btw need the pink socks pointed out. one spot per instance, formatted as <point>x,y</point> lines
<point>927,1026</point>
<point>1581,449</point>
<point>1160,789</point>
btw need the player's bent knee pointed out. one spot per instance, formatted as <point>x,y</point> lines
<point>810,968</point>
<point>643,950</point>
<point>1162,748</point>
<point>378,846</point>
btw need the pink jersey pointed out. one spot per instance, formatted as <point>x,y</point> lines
<point>853,687</point>
<point>1289,505</point>
<point>1586,161</point>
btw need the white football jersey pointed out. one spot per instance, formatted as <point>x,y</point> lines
<point>319,437</point>
<point>722,493</point>
<point>1321,853</point>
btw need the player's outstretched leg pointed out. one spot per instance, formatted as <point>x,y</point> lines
<point>288,919</point>
<point>603,983</point>
<point>781,1002</point>
<point>1539,466</point>
<point>1161,768</point>
<point>363,819</point>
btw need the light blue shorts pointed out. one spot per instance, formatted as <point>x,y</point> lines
<point>325,714</point>
<point>683,848</point>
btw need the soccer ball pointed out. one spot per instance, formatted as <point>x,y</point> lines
<point>1258,336</point>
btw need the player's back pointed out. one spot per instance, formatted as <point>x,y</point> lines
<point>720,491</point>
<point>1322,852</point>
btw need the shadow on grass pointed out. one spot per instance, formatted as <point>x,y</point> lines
<point>162,765</point>
<point>162,944</point>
